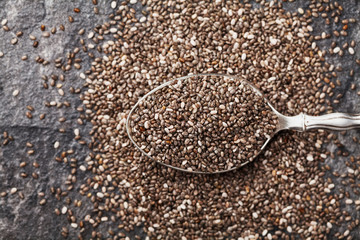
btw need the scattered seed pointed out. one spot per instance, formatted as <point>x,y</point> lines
<point>35,175</point>
<point>351,51</point>
<point>14,41</point>
<point>42,202</point>
<point>46,34</point>
<point>15,92</point>
<point>31,152</point>
<point>13,190</point>
<point>56,144</point>
<point>142,19</point>
<point>19,34</point>
<point>81,31</point>
<point>4,22</point>
<point>57,211</point>
<point>29,115</point>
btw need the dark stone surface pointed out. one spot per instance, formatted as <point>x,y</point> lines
<point>25,218</point>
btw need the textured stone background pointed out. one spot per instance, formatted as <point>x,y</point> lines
<point>25,218</point>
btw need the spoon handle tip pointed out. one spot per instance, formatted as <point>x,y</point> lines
<point>332,121</point>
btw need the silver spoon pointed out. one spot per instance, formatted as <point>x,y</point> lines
<point>301,122</point>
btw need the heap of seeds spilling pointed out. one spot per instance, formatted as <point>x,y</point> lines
<point>203,123</point>
<point>286,193</point>
<point>281,194</point>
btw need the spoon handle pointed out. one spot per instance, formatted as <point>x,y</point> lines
<point>332,121</point>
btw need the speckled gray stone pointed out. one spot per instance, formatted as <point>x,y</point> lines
<point>25,218</point>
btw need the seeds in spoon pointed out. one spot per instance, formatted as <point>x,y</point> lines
<point>204,123</point>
